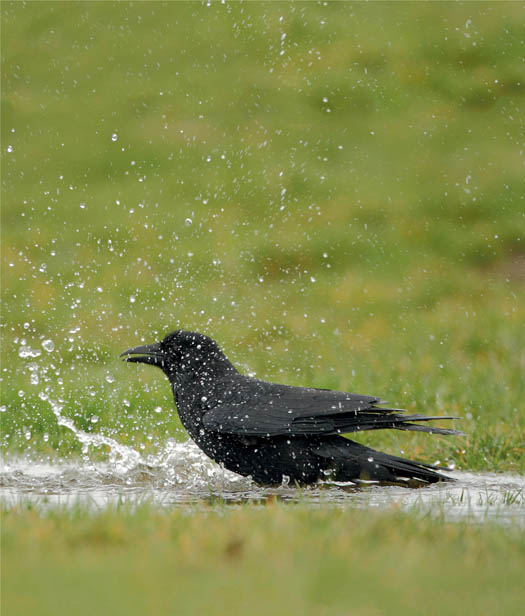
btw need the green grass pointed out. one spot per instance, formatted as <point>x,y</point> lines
<point>278,559</point>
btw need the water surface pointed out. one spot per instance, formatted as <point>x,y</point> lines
<point>181,476</point>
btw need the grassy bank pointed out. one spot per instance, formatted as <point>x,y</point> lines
<point>277,559</point>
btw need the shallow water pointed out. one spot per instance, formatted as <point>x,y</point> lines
<point>181,476</point>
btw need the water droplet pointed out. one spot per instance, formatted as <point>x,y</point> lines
<point>132,299</point>
<point>48,345</point>
<point>188,222</point>
<point>157,409</point>
<point>114,137</point>
<point>94,419</point>
<point>110,379</point>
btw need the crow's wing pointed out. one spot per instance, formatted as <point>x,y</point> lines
<point>257,408</point>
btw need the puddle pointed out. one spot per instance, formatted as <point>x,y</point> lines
<point>181,476</point>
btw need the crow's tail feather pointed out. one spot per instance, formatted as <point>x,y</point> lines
<point>351,461</point>
<point>381,419</point>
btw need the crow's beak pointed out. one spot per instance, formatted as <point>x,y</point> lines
<point>147,354</point>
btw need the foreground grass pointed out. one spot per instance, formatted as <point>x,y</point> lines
<point>281,560</point>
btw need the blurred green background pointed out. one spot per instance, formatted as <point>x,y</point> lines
<point>333,191</point>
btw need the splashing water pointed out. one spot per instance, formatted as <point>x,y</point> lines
<point>179,474</point>
<point>121,458</point>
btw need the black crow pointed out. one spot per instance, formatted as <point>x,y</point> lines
<point>274,433</point>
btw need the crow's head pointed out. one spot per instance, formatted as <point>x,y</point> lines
<point>180,353</point>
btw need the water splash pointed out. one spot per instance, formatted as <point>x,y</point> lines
<point>121,457</point>
<point>180,474</point>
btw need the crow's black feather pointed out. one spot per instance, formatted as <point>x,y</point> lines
<point>274,432</point>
